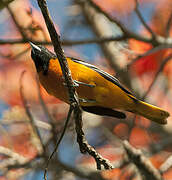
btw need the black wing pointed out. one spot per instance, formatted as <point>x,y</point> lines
<point>103,73</point>
<point>104,111</point>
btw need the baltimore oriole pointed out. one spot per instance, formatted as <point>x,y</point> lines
<point>99,92</point>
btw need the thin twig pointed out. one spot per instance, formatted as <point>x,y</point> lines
<point>158,40</point>
<point>168,26</point>
<point>64,42</point>
<point>59,141</point>
<point>142,19</point>
<point>161,41</point>
<point>27,109</point>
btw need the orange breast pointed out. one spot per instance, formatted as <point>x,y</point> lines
<point>105,93</point>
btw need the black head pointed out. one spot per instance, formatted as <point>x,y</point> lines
<point>41,57</point>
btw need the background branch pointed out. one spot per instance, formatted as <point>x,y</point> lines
<point>142,19</point>
<point>142,163</point>
<point>41,147</point>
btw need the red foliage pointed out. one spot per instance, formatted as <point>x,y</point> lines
<point>121,130</point>
<point>140,138</point>
<point>146,64</point>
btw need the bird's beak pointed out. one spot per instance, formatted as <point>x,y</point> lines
<point>34,47</point>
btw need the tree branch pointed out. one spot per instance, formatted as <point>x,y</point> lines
<point>169,23</point>
<point>74,103</point>
<point>142,163</point>
<point>166,165</point>
<point>164,62</point>
<point>64,42</point>
<point>142,20</point>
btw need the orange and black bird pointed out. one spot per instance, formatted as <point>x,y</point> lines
<point>99,92</point>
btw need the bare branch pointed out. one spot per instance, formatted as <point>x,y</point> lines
<point>72,95</point>
<point>14,158</point>
<point>142,163</point>
<point>166,165</point>
<point>63,63</point>
<point>83,173</point>
<point>125,31</point>
<point>142,20</point>
<point>161,41</point>
<point>64,42</point>
<point>158,40</point>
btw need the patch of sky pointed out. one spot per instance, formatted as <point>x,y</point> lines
<point>3,107</point>
<point>147,11</point>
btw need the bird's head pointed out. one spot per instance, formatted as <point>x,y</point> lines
<point>41,57</point>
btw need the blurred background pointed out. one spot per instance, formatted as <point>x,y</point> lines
<point>130,41</point>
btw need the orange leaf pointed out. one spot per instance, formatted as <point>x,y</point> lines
<point>121,130</point>
<point>140,138</point>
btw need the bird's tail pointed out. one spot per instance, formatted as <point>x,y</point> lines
<point>151,112</point>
